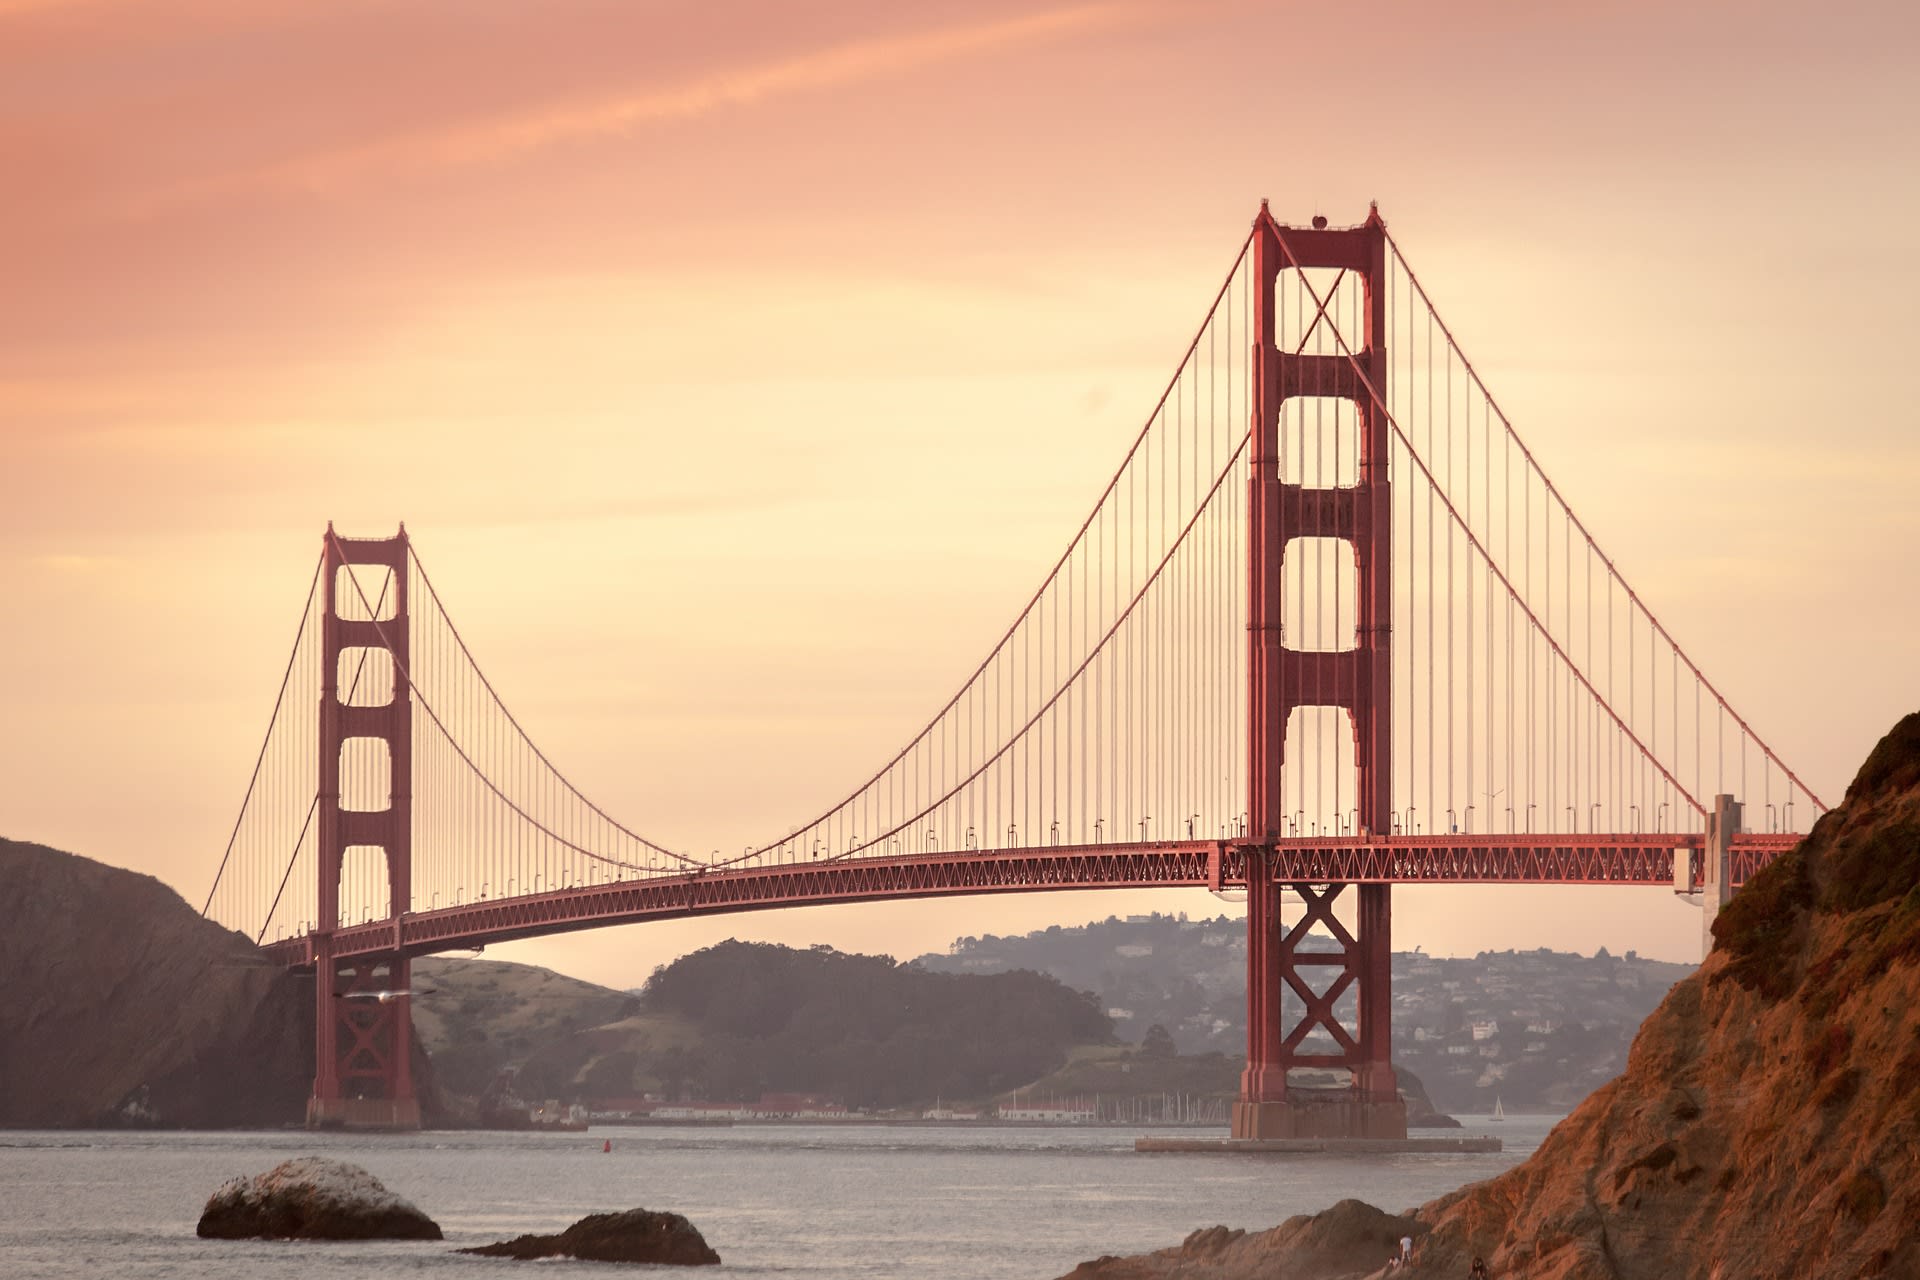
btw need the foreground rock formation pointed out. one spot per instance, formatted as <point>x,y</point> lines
<point>637,1235</point>
<point>1349,1240</point>
<point>1767,1125</point>
<point>122,1006</point>
<point>313,1198</point>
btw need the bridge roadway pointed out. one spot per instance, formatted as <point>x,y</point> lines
<point>1449,859</point>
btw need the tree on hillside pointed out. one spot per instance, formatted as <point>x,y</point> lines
<point>863,1029</point>
<point>1157,1043</point>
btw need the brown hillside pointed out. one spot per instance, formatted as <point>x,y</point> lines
<point>120,1005</point>
<point>1767,1125</point>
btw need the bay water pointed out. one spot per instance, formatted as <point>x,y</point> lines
<point>797,1202</point>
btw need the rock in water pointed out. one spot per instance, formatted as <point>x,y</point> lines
<point>312,1198</point>
<point>638,1235</point>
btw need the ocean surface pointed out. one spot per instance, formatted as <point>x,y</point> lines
<point>793,1202</point>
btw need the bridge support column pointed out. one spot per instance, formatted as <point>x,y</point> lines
<point>1278,963</point>
<point>1282,677</point>
<point>363,1043</point>
<point>1716,870</point>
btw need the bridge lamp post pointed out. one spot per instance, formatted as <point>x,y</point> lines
<point>434,904</point>
<point>1787,814</point>
<point>1770,823</point>
<point>1660,817</point>
<point>1509,819</point>
<point>1453,825</point>
<point>1633,815</point>
<point>1242,822</point>
<point>1193,818</point>
<point>933,841</point>
<point>1097,837</point>
<point>483,892</point>
<point>1530,808</point>
<point>1593,822</point>
<point>816,847</point>
<point>1143,827</point>
<point>1353,822</point>
<point>971,839</point>
<point>1466,816</point>
<point>1013,837</point>
<point>1413,827</point>
<point>1573,823</point>
<point>1053,832</point>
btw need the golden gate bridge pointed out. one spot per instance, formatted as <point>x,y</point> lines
<point>1328,627</point>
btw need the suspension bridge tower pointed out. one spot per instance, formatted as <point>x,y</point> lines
<point>363,1070</point>
<point>1283,678</point>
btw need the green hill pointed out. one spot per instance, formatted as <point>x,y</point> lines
<point>739,1019</point>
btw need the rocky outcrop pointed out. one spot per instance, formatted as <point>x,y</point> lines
<point>313,1198</point>
<point>122,1006</point>
<point>637,1235</point>
<point>1768,1122</point>
<point>1346,1242</point>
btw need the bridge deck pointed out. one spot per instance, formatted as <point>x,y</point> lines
<point>1645,860</point>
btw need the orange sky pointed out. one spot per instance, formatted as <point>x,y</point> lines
<point>699,344</point>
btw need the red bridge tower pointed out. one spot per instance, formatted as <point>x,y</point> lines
<point>1282,678</point>
<point>363,1075</point>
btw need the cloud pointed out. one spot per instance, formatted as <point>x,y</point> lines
<point>509,134</point>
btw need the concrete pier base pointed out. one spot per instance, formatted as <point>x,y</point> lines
<point>1343,1113</point>
<point>385,1114</point>
<point>1319,1146</point>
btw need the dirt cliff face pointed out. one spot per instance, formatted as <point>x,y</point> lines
<point>1768,1122</point>
<point>120,1005</point>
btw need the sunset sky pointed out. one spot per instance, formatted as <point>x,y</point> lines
<point>704,346</point>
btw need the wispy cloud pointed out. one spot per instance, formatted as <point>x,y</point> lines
<point>814,70</point>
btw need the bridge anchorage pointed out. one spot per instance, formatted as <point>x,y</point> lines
<point>1329,612</point>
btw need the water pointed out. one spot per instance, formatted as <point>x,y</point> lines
<point>775,1201</point>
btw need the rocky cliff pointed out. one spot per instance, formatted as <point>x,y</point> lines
<point>120,1005</point>
<point>1767,1125</point>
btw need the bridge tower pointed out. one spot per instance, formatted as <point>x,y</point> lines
<point>1282,678</point>
<point>363,1073</point>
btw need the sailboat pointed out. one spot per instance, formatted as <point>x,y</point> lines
<point>1499,1112</point>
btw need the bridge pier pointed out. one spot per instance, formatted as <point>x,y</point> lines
<point>1269,1106</point>
<point>1716,869</point>
<point>363,1076</point>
